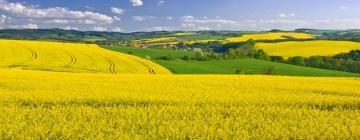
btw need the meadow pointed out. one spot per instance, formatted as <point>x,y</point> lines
<point>72,57</point>
<point>270,36</point>
<point>243,66</point>
<point>308,48</point>
<point>248,66</point>
<point>49,105</point>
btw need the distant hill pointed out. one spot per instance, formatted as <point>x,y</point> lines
<point>72,35</point>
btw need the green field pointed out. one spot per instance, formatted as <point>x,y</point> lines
<point>247,66</point>
<point>244,66</point>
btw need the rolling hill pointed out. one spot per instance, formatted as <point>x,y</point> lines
<point>71,57</point>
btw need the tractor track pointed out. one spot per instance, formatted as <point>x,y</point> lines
<point>150,69</point>
<point>72,61</point>
<point>112,66</point>
<point>34,54</point>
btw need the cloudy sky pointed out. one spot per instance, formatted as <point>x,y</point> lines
<point>154,15</point>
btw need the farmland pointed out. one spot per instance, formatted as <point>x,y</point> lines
<point>308,48</point>
<point>71,57</point>
<point>176,106</point>
<point>270,36</point>
<point>245,66</point>
<point>54,90</point>
<point>190,38</point>
<point>179,70</point>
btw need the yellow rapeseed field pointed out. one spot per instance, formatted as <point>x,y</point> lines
<point>308,48</point>
<point>201,41</point>
<point>71,57</point>
<point>270,36</point>
<point>160,39</point>
<point>57,105</point>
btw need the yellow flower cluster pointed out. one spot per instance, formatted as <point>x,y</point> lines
<point>56,105</point>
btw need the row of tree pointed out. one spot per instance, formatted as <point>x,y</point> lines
<point>324,62</point>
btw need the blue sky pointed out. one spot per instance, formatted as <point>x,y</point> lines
<point>154,15</point>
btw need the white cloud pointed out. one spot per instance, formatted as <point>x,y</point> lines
<point>159,29</point>
<point>100,29</point>
<point>3,19</point>
<point>161,2</point>
<point>169,18</point>
<point>205,23</point>
<point>69,28</point>
<point>20,10</point>
<point>89,7</point>
<point>26,26</point>
<point>117,29</point>
<point>143,18</point>
<point>68,21</point>
<point>118,11</point>
<point>343,7</point>
<point>58,21</point>
<point>117,18</point>
<point>30,26</point>
<point>284,15</point>
<point>191,19</point>
<point>137,3</point>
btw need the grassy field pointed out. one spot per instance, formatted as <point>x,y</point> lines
<point>71,57</point>
<point>308,48</point>
<point>48,105</point>
<point>246,66</point>
<point>270,36</point>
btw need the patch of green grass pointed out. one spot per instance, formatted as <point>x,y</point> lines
<point>247,66</point>
<point>93,39</point>
<point>241,66</point>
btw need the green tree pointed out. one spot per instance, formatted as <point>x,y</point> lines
<point>296,60</point>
